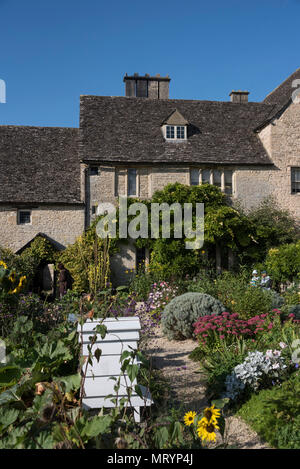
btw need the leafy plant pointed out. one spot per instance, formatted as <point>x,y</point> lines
<point>283,263</point>
<point>88,262</point>
<point>182,312</point>
<point>257,370</point>
<point>274,414</point>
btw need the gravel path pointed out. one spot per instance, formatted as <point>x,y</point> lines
<point>187,386</point>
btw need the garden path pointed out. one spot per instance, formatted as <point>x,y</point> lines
<point>187,386</point>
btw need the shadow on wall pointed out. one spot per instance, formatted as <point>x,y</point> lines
<point>123,264</point>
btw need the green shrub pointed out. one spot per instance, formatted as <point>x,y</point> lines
<point>283,263</point>
<point>142,283</point>
<point>292,295</point>
<point>273,227</point>
<point>203,284</point>
<point>183,311</point>
<point>235,293</point>
<point>275,414</point>
<point>217,364</point>
<point>276,299</point>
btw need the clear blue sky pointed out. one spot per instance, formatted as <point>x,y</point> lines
<point>53,51</point>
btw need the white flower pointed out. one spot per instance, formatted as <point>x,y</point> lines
<point>282,345</point>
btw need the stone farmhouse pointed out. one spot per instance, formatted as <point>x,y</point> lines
<point>52,180</point>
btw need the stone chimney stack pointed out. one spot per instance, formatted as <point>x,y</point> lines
<point>239,96</point>
<point>147,87</point>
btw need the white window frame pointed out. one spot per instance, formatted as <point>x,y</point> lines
<point>19,217</point>
<point>175,139</point>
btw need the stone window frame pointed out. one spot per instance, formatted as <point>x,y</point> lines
<point>137,183</point>
<point>211,178</point>
<point>295,169</point>
<point>175,138</point>
<point>19,212</point>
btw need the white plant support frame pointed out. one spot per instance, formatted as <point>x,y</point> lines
<point>122,334</point>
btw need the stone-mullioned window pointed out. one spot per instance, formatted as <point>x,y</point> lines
<point>218,177</point>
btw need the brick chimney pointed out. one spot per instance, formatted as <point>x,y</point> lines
<point>239,96</point>
<point>147,87</point>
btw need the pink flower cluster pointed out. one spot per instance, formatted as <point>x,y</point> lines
<point>226,326</point>
<point>161,294</point>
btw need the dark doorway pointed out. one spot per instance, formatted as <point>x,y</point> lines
<point>140,259</point>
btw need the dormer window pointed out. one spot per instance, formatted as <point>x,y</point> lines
<point>170,131</point>
<point>180,131</point>
<point>175,127</point>
<point>175,132</point>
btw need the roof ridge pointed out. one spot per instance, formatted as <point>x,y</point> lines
<point>36,127</point>
<point>282,84</point>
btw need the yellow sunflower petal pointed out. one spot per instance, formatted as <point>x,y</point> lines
<point>189,418</point>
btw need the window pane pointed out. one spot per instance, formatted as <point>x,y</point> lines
<point>24,217</point>
<point>131,181</point>
<point>94,170</point>
<point>180,132</point>
<point>295,187</point>
<point>170,131</point>
<point>296,174</point>
<point>194,177</point>
<point>217,178</point>
<point>206,176</point>
<point>295,180</point>
<point>228,182</point>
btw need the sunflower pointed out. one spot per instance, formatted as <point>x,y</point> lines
<point>189,418</point>
<point>2,263</point>
<point>206,429</point>
<point>210,413</point>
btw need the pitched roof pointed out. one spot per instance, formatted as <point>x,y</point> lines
<point>283,93</point>
<point>123,129</point>
<point>39,165</point>
<point>175,118</point>
<point>40,235</point>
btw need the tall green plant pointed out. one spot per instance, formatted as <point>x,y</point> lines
<point>88,262</point>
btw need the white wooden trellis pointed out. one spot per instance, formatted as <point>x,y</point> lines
<point>122,334</point>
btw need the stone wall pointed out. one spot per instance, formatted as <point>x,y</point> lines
<point>63,224</point>
<point>281,139</point>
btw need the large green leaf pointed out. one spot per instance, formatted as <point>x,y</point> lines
<point>161,437</point>
<point>97,426</point>
<point>9,375</point>
<point>72,382</point>
<point>7,417</point>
